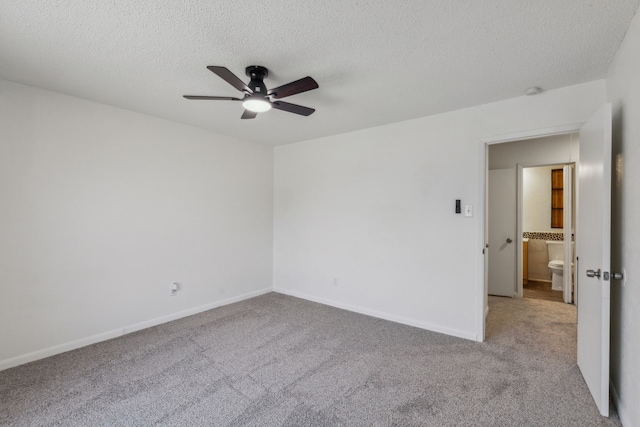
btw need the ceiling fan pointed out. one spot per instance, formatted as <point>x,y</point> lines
<point>257,98</point>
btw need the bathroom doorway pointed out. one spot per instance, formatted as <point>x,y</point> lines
<point>546,214</point>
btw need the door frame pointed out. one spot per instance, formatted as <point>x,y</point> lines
<point>482,306</point>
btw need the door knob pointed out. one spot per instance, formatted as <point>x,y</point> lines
<point>591,273</point>
<point>509,240</point>
<point>605,275</point>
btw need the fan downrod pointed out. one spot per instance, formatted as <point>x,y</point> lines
<point>256,72</point>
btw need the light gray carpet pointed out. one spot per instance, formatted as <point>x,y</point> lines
<point>278,360</point>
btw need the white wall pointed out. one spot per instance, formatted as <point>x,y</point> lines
<point>535,151</point>
<point>375,209</point>
<point>623,90</point>
<point>103,208</point>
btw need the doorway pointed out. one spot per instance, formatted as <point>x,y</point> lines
<point>512,234</point>
<point>593,238</point>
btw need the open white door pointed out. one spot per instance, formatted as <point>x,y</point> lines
<point>593,238</point>
<point>502,230</point>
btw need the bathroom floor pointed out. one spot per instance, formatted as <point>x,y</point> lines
<point>541,290</point>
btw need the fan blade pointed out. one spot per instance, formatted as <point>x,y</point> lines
<point>293,88</point>
<point>248,115</point>
<point>292,108</point>
<point>230,78</point>
<point>219,98</point>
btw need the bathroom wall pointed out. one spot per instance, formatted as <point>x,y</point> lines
<point>536,199</point>
<point>537,260</point>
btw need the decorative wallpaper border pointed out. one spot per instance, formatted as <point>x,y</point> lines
<point>543,235</point>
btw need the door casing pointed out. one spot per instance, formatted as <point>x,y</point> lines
<point>482,290</point>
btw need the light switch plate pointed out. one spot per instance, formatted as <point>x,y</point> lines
<point>468,210</point>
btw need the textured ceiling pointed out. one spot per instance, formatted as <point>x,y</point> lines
<point>376,62</point>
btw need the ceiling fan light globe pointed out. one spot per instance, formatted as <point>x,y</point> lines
<point>256,105</point>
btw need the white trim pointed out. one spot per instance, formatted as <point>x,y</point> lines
<point>72,345</point>
<point>378,314</point>
<point>620,408</point>
<point>519,293</point>
<point>567,231</point>
<point>482,294</point>
<point>57,349</point>
<point>534,133</point>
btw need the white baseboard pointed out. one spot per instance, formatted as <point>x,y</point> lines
<point>622,411</point>
<point>379,314</point>
<point>61,348</point>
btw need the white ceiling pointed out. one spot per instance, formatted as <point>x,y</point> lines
<point>376,62</point>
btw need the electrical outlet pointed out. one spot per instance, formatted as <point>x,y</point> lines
<point>173,289</point>
<point>335,281</point>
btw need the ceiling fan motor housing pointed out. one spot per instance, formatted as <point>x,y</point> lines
<point>257,75</point>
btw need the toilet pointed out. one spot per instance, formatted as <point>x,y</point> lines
<point>556,263</point>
